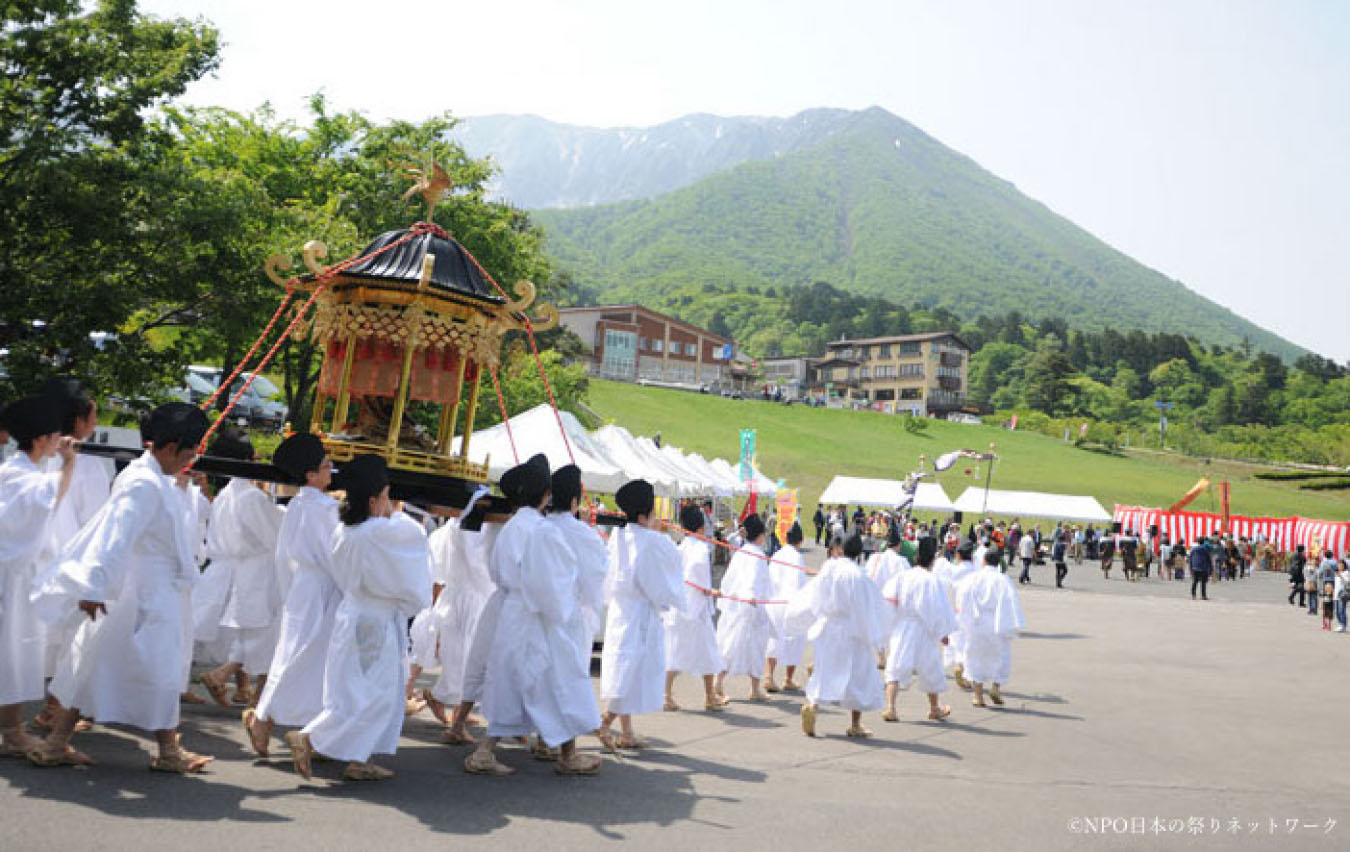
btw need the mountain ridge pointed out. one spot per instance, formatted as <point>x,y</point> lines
<point>870,203</point>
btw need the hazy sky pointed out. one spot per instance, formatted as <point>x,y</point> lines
<point>1209,139</point>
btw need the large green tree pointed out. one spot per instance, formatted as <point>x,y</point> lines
<point>94,221</point>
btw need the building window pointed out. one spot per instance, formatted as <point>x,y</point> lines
<point>909,350</point>
<point>866,373</point>
<point>620,353</point>
<point>884,350</point>
<point>910,371</point>
<point>646,344</point>
<point>911,393</point>
<point>658,345</point>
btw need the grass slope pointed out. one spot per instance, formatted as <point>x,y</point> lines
<point>880,208</point>
<point>807,447</point>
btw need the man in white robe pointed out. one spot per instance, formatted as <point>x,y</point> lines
<point>923,620</point>
<point>507,547</point>
<point>691,639</point>
<point>242,546</point>
<point>128,571</point>
<point>644,580</point>
<point>537,677</point>
<point>293,694</point>
<point>462,557</point>
<point>951,574</point>
<point>744,628</point>
<point>30,497</point>
<point>89,487</point>
<point>383,568</point>
<point>847,619</point>
<point>990,616</point>
<point>788,570</point>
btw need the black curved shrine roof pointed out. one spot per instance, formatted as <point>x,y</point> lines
<point>454,269</point>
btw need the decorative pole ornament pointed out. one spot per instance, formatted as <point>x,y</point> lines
<point>432,183</point>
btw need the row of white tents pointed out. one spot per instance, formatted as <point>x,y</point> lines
<point>608,457</point>
<point>974,501</point>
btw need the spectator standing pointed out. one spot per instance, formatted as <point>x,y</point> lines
<point>1297,564</point>
<point>1026,551</point>
<point>1342,590</point>
<point>1057,554</point>
<point>1326,586</point>
<point>1202,564</point>
<point>819,520</point>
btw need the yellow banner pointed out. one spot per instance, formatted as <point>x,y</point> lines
<point>786,503</point>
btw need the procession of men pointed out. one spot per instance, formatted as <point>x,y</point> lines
<point>315,615</point>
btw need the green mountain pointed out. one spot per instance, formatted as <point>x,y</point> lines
<point>878,207</point>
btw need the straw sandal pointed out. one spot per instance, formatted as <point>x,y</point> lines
<point>996,696</point>
<point>259,732</point>
<point>180,761</point>
<point>634,743</point>
<point>809,719</point>
<point>939,714</point>
<point>859,733</point>
<point>457,737</point>
<point>302,752</point>
<point>889,717</point>
<point>216,688</point>
<point>578,765</point>
<point>606,738</point>
<point>66,756</point>
<point>670,706</point>
<point>491,766</point>
<point>366,772</point>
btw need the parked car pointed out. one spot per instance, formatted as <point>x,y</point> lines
<point>261,403</point>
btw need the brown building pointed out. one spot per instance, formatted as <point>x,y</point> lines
<point>633,343</point>
<point>920,374</point>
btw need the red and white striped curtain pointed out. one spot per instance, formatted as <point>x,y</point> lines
<point>1284,533</point>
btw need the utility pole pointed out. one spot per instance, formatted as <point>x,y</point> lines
<point>1163,408</point>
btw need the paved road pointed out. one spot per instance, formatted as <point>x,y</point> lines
<point>1128,701</point>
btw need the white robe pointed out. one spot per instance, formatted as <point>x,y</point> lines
<point>461,559</point>
<point>691,639</point>
<point>135,556</point>
<point>923,616</point>
<point>644,580</point>
<point>847,620</point>
<point>89,488</point>
<point>28,504</point>
<point>990,617</point>
<point>239,599</point>
<point>293,695</point>
<point>882,566</point>
<point>383,568</point>
<point>950,575</point>
<point>592,565</point>
<point>786,647</point>
<point>537,679</point>
<point>507,547</point>
<point>744,630</point>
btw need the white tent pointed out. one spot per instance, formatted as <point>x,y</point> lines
<point>759,483</point>
<point>536,431</point>
<point>1032,504</point>
<point>708,486</point>
<point>620,448</point>
<point>691,484</point>
<point>722,487</point>
<point>887,493</point>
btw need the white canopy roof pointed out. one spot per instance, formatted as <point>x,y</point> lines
<point>620,448</point>
<point>761,483</point>
<point>889,493</point>
<point>536,431</point>
<point>1034,504</point>
<point>722,487</point>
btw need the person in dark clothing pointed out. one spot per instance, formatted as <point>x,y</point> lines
<point>819,520</point>
<point>1201,564</point>
<point>1057,554</point>
<point>1297,564</point>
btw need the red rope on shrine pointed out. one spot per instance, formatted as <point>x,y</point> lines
<point>290,292</point>
<point>501,403</point>
<point>321,282</point>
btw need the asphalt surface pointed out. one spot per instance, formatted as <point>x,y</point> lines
<point>1129,702</point>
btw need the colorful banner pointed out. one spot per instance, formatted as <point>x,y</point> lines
<point>786,502</point>
<point>747,455</point>
<point>1284,533</point>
